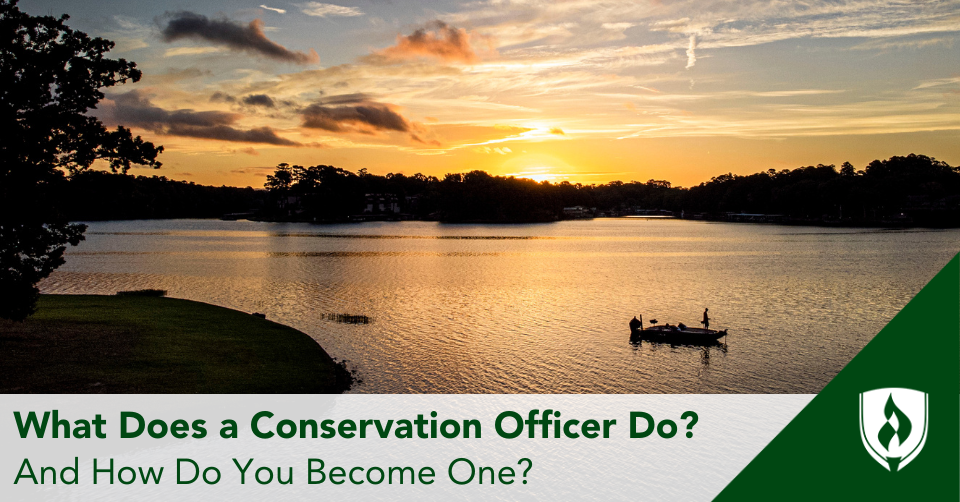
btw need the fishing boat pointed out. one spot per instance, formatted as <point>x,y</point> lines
<point>675,334</point>
<point>686,336</point>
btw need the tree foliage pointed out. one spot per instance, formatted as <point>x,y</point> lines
<point>916,186</point>
<point>98,195</point>
<point>52,77</point>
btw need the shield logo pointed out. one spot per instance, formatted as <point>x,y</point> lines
<point>893,425</point>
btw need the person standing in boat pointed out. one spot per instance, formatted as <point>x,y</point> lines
<point>706,319</point>
<point>635,325</point>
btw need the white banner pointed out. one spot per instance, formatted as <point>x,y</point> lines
<point>588,452</point>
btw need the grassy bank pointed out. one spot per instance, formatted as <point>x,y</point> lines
<point>127,344</point>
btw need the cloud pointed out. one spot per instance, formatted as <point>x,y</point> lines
<point>420,139</point>
<point>222,96</point>
<point>354,116</point>
<point>227,133</point>
<point>436,40</point>
<point>126,32</point>
<point>511,129</point>
<point>672,25</point>
<point>557,131</point>
<point>259,100</point>
<point>173,75</point>
<point>249,38</point>
<point>617,26</point>
<point>135,109</point>
<point>883,45</point>
<point>318,9</point>
<point>189,51</point>
<point>274,9</point>
<point>347,99</point>
<point>357,113</point>
<point>488,150</point>
<point>691,52</point>
<point>937,82</point>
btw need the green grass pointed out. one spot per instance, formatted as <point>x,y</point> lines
<point>142,344</point>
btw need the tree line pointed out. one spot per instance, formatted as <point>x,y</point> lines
<point>99,195</point>
<point>910,189</point>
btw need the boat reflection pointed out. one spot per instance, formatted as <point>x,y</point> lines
<point>705,350</point>
<point>637,340</point>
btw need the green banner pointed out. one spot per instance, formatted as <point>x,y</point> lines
<point>887,427</point>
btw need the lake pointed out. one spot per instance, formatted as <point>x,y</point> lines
<point>540,308</point>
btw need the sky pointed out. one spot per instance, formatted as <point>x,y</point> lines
<point>583,91</point>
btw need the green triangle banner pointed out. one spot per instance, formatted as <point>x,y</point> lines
<point>887,427</point>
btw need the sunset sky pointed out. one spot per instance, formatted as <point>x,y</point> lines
<point>581,90</point>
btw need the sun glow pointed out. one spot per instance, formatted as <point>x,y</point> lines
<point>539,167</point>
<point>540,174</point>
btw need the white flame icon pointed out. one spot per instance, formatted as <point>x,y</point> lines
<point>893,425</point>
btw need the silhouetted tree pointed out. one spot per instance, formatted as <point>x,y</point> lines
<point>52,76</point>
<point>281,179</point>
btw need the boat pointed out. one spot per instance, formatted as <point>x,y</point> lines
<point>675,335</point>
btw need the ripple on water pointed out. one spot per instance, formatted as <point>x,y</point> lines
<point>537,308</point>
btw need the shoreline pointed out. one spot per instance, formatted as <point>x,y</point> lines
<point>783,222</point>
<point>81,344</point>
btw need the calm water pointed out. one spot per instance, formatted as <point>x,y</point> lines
<point>537,308</point>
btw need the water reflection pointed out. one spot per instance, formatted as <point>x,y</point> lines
<point>536,308</point>
<point>638,341</point>
<point>374,254</point>
<point>439,237</point>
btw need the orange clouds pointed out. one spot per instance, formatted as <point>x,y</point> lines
<point>436,40</point>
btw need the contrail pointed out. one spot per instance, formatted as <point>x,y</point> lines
<point>691,51</point>
<point>278,11</point>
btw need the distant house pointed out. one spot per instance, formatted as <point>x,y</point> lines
<point>290,205</point>
<point>378,203</point>
<point>755,217</point>
<point>639,211</point>
<point>578,212</point>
